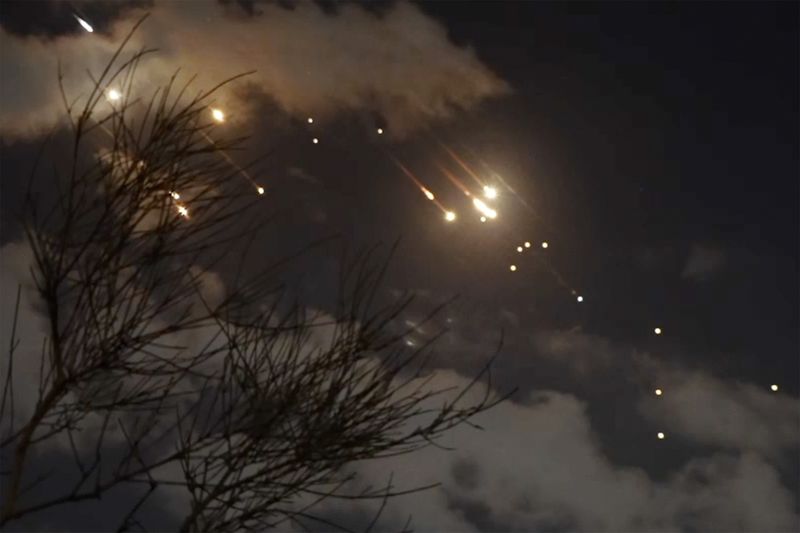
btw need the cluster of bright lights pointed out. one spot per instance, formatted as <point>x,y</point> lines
<point>579,298</point>
<point>545,245</point>
<point>658,392</point>
<point>485,210</point>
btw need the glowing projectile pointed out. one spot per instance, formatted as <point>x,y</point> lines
<point>661,436</point>
<point>183,211</point>
<point>85,25</point>
<point>380,131</point>
<point>175,196</point>
<point>657,331</point>
<point>315,140</point>
<point>483,219</point>
<point>428,194</point>
<point>310,120</point>
<point>218,115</point>
<point>260,189</point>
<point>658,392</point>
<point>513,268</point>
<point>545,245</point>
<point>483,208</point>
<point>579,298</point>
<point>519,249</point>
<point>113,95</point>
<point>489,192</point>
<point>773,388</point>
<point>449,216</point>
<point>527,244</point>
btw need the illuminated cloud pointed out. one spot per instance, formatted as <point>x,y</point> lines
<point>400,65</point>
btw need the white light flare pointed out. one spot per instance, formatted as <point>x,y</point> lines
<point>519,249</point>
<point>661,435</point>
<point>545,245</point>
<point>315,140</point>
<point>428,194</point>
<point>260,190</point>
<point>658,392</point>
<point>218,115</point>
<point>773,387</point>
<point>175,195</point>
<point>580,299</point>
<point>85,25</point>
<point>483,208</point>
<point>183,211</point>
<point>113,95</point>
<point>310,120</point>
<point>449,216</point>
<point>513,268</point>
<point>657,331</point>
<point>489,192</point>
<point>380,131</point>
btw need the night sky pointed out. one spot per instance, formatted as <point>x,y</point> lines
<point>653,146</point>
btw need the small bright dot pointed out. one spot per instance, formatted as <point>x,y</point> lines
<point>218,115</point>
<point>489,192</point>
<point>657,331</point>
<point>183,211</point>
<point>545,245</point>
<point>483,219</point>
<point>527,244</point>
<point>579,298</point>
<point>659,392</point>
<point>114,95</point>
<point>774,388</point>
<point>449,216</point>
<point>661,436</point>
<point>260,189</point>
<point>519,248</point>
<point>310,120</point>
<point>175,196</point>
<point>380,131</point>
<point>85,25</point>
<point>428,194</point>
<point>315,140</point>
<point>513,268</point>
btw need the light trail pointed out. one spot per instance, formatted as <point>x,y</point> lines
<point>428,194</point>
<point>452,177</point>
<point>462,164</point>
<point>227,158</point>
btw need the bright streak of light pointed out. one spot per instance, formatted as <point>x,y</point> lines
<point>527,244</point>
<point>380,131</point>
<point>183,211</point>
<point>457,182</point>
<point>659,392</point>
<point>773,388</point>
<point>513,268</point>
<point>489,192</point>
<point>519,249</point>
<point>483,219</point>
<point>218,115</point>
<point>315,140</point>
<point>428,194</point>
<point>310,120</point>
<point>657,331</point>
<point>260,189</point>
<point>449,216</point>
<point>85,25</point>
<point>661,436</point>
<point>462,164</point>
<point>114,95</point>
<point>579,298</point>
<point>175,195</point>
<point>484,209</point>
